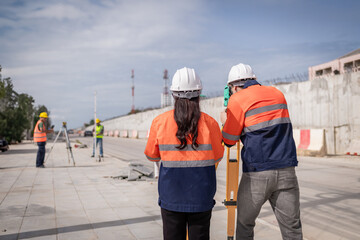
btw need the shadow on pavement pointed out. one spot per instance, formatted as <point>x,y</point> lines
<point>20,151</point>
<point>11,167</point>
<point>70,166</point>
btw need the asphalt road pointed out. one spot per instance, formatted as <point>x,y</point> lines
<point>329,189</point>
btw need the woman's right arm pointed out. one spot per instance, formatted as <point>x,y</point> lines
<point>152,147</point>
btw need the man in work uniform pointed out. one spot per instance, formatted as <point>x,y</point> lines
<point>258,115</point>
<point>40,138</point>
<point>99,137</point>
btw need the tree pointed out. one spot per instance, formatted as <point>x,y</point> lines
<point>22,116</point>
<point>2,89</point>
<point>92,122</point>
<point>7,107</point>
<point>26,106</point>
<point>16,112</point>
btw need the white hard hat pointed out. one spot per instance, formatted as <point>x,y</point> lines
<point>186,83</point>
<point>240,73</point>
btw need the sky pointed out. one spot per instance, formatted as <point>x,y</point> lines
<point>61,52</point>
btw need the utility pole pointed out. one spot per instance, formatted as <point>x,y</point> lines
<point>95,155</point>
<point>165,97</point>
<point>133,90</point>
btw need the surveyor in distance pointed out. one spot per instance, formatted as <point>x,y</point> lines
<point>258,115</point>
<point>99,138</point>
<point>188,143</point>
<point>40,138</point>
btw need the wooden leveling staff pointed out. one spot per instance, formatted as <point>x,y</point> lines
<point>232,180</point>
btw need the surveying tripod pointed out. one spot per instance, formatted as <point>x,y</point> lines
<point>232,180</point>
<point>68,145</point>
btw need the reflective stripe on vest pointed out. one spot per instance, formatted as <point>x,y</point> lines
<point>39,136</point>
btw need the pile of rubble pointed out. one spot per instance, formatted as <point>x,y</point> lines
<point>79,144</point>
<point>135,172</point>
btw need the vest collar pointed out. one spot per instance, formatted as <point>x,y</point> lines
<point>250,83</point>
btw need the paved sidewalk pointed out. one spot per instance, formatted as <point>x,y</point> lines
<point>83,202</point>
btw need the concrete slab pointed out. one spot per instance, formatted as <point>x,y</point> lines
<point>78,235</point>
<point>12,211</point>
<point>9,226</point>
<point>102,215</point>
<point>40,210</point>
<point>146,230</point>
<point>35,223</point>
<point>115,233</point>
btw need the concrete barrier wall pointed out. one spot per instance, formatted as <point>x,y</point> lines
<point>310,141</point>
<point>354,148</point>
<point>142,121</point>
<point>330,103</point>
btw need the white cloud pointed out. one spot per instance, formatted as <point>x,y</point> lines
<point>70,50</point>
<point>57,11</point>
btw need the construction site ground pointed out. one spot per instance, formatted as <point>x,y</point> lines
<point>62,201</point>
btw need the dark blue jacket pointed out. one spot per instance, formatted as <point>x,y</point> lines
<point>187,179</point>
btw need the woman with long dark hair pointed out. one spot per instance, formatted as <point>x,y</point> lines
<point>188,144</point>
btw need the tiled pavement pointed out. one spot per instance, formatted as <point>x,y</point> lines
<point>83,202</point>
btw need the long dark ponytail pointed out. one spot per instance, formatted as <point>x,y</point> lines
<point>187,114</point>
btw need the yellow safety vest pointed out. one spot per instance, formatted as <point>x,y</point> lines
<point>98,131</point>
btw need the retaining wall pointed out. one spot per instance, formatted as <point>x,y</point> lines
<point>329,103</point>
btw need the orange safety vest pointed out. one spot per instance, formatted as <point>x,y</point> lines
<point>187,179</point>
<point>39,136</point>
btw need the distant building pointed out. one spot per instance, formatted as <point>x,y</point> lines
<point>347,63</point>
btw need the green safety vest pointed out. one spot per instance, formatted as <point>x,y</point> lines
<point>98,131</point>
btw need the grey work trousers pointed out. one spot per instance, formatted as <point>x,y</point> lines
<point>281,188</point>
